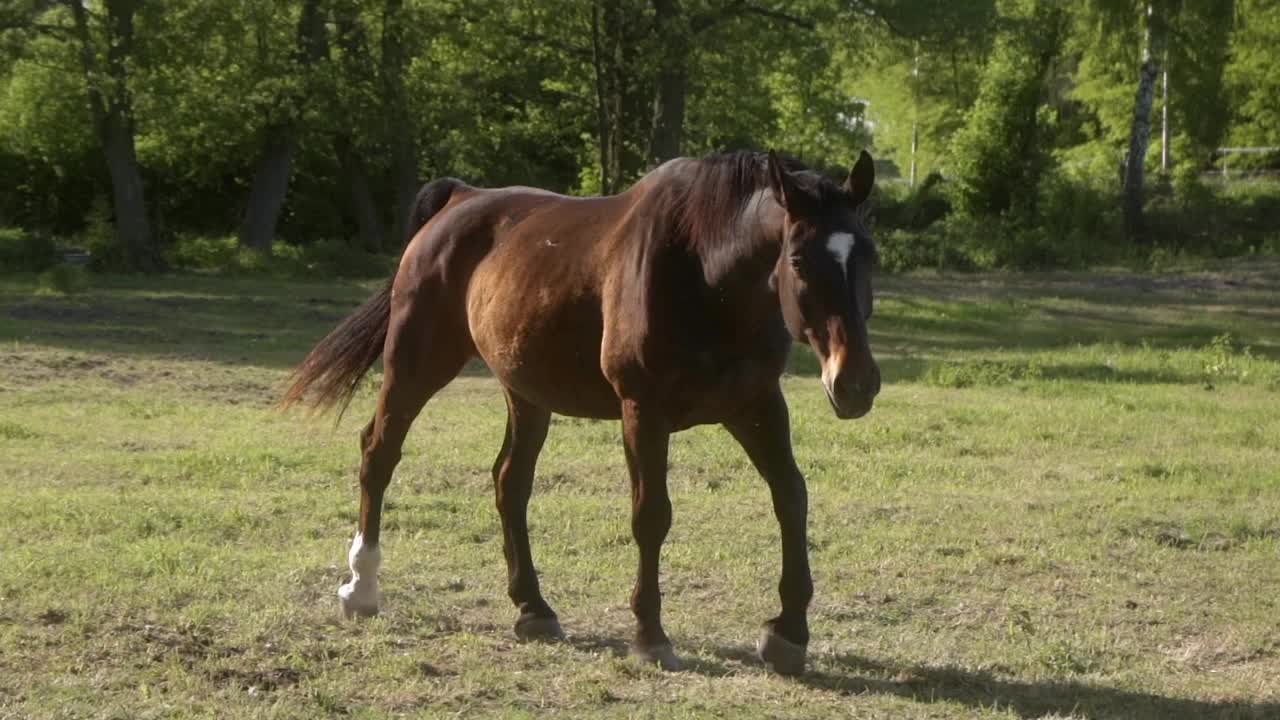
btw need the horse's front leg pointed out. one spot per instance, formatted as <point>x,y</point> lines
<point>765,434</point>
<point>646,438</point>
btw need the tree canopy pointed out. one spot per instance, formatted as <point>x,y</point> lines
<point>306,120</point>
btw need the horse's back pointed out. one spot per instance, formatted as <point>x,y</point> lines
<point>522,270</point>
<point>573,302</point>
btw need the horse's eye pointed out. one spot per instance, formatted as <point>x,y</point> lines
<point>797,263</point>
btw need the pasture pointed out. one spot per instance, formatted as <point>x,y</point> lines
<point>1065,504</point>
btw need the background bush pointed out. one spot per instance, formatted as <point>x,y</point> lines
<point>23,251</point>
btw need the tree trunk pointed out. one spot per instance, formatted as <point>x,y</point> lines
<point>404,144</point>
<point>269,190</point>
<point>624,94</point>
<point>271,180</point>
<point>112,111</point>
<point>356,67</point>
<point>368,221</point>
<point>133,226</point>
<point>668,115</point>
<point>667,133</point>
<point>1140,130</point>
<point>598,63</point>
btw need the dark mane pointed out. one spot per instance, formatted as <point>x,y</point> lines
<point>710,201</point>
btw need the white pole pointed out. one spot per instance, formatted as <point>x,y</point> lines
<point>915,111</point>
<point>1164,122</point>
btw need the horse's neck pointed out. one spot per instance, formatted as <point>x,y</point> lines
<point>749,252</point>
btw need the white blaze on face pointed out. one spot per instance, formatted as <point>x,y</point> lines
<point>360,596</point>
<point>840,245</point>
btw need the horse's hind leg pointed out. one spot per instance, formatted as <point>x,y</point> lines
<point>417,364</point>
<point>513,483</point>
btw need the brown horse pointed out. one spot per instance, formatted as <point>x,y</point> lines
<point>670,305</point>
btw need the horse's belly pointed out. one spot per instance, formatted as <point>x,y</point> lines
<point>543,342</point>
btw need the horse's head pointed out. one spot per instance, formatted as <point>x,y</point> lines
<point>823,277</point>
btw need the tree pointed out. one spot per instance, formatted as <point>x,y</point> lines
<point>922,73</point>
<point>1156,32</point>
<point>357,85</point>
<point>280,137</point>
<point>393,65</point>
<point>1000,154</point>
<point>1186,40</point>
<point>111,107</point>
<point>1253,85</point>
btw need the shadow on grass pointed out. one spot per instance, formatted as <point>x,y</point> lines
<point>853,675</point>
<point>997,373</point>
<point>1026,699</point>
<point>260,322</point>
<point>273,323</point>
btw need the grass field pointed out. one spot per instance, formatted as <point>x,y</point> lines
<point>1065,504</point>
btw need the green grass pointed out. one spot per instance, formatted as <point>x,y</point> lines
<point>1065,504</point>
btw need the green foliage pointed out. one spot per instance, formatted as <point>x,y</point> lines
<point>1195,217</point>
<point>23,251</point>
<point>1252,82</point>
<point>42,110</point>
<point>205,253</point>
<point>922,82</point>
<point>64,280</point>
<point>940,246</point>
<point>338,259</point>
<point>1000,154</point>
<point>1024,106</point>
<point>326,258</point>
<point>1081,218</point>
<point>912,208</point>
<point>1107,37</point>
<point>99,238</point>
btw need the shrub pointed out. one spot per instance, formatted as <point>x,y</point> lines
<point>339,259</point>
<point>326,258</point>
<point>1081,220</point>
<point>941,246</point>
<point>21,251</point>
<point>64,280</point>
<point>99,237</point>
<point>204,253</point>
<point>912,209</point>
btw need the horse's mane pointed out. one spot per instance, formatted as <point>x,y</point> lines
<point>710,201</point>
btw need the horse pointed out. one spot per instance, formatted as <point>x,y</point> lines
<point>669,305</point>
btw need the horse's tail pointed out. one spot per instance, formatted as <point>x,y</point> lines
<point>430,200</point>
<point>331,372</point>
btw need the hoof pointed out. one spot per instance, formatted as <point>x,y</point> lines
<point>356,603</point>
<point>662,655</point>
<point>780,654</point>
<point>538,629</point>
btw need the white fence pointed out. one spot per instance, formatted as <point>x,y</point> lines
<point>1227,152</point>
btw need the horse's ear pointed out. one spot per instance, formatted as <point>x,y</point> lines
<point>861,179</point>
<point>784,188</point>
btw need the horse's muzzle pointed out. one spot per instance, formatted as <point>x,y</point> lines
<point>851,398</point>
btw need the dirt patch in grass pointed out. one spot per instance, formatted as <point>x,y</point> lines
<point>211,381</point>
<point>257,680</point>
<point>73,312</point>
